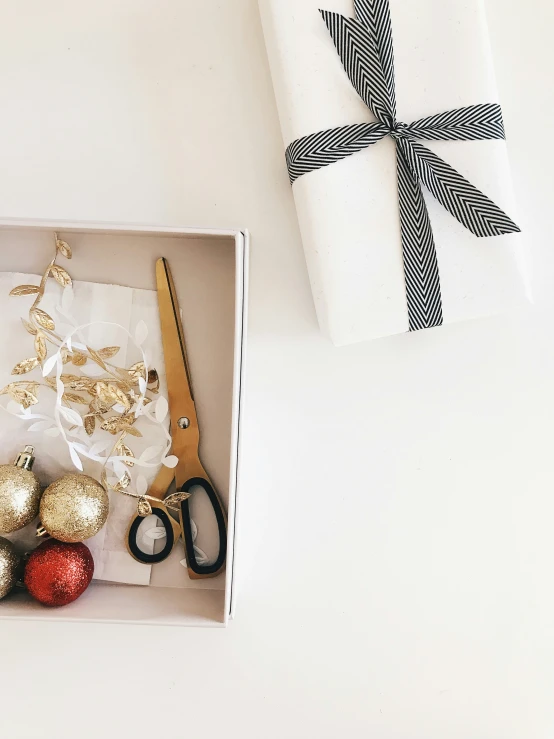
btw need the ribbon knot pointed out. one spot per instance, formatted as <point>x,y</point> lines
<point>398,130</point>
<point>365,46</point>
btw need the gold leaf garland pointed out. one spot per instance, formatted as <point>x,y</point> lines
<point>118,390</point>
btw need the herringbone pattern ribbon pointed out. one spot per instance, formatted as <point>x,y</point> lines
<point>365,46</point>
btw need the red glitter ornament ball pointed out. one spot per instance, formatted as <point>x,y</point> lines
<point>57,573</point>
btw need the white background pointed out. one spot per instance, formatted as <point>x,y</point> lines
<point>396,538</point>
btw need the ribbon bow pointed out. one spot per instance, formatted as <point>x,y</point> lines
<point>365,47</point>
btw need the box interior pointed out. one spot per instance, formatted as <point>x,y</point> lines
<point>207,271</point>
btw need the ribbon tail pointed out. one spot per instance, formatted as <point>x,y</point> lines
<point>421,270</point>
<point>472,208</point>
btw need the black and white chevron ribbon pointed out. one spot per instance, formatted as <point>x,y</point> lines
<point>365,46</point>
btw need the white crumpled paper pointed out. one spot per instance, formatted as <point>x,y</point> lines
<point>92,302</point>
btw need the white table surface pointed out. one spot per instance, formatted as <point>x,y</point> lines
<point>396,545</point>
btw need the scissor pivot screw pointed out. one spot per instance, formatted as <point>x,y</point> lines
<point>183,423</point>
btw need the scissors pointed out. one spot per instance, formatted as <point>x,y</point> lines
<point>185,433</point>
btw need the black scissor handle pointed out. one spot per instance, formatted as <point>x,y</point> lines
<point>197,570</point>
<point>132,537</point>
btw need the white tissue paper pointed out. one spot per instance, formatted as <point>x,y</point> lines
<point>348,212</point>
<point>92,302</point>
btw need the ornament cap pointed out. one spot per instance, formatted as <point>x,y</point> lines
<point>26,458</point>
<point>41,531</point>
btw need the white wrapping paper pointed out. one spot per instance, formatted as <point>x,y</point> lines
<point>348,212</point>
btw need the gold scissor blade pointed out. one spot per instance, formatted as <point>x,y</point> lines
<point>181,402</point>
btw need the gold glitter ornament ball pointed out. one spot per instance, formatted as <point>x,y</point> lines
<point>9,563</point>
<point>19,493</point>
<point>74,508</point>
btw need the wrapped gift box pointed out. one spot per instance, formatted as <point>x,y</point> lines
<point>349,211</point>
<point>210,272</point>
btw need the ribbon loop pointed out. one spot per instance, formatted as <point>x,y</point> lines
<point>360,58</point>
<point>375,15</point>
<point>472,123</point>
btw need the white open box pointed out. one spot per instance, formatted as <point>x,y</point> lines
<point>210,269</point>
